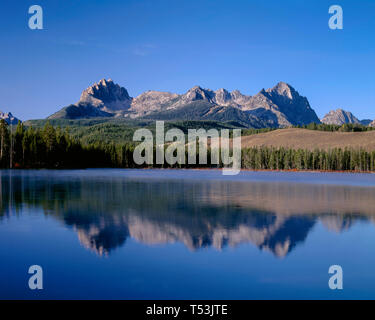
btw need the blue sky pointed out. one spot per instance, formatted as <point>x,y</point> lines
<point>172,45</point>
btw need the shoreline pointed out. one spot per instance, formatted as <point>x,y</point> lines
<point>200,169</point>
<point>270,170</point>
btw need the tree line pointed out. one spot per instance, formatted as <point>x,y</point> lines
<point>50,147</point>
<point>263,158</point>
<point>346,127</point>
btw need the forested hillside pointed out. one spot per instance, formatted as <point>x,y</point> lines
<point>49,147</point>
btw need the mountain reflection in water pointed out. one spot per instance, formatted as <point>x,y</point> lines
<point>106,210</point>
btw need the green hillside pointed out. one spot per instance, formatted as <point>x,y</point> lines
<point>104,130</point>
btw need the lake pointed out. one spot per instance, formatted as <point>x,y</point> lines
<point>186,234</point>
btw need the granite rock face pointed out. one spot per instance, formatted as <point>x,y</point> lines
<point>286,105</point>
<point>339,117</point>
<point>151,101</point>
<point>102,99</point>
<point>107,96</point>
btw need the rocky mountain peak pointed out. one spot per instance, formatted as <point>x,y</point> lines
<point>339,117</point>
<point>283,89</point>
<point>105,82</point>
<point>9,118</point>
<point>236,94</point>
<point>151,101</point>
<point>107,96</point>
<point>197,93</point>
<point>222,96</point>
<point>222,91</point>
<point>288,107</point>
<point>106,91</point>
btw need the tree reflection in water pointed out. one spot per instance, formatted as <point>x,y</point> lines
<point>105,210</point>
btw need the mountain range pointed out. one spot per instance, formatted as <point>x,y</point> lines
<point>279,106</point>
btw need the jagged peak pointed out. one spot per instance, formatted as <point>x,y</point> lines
<point>106,90</point>
<point>282,88</point>
<point>8,117</point>
<point>8,114</point>
<point>339,111</point>
<point>105,81</point>
<point>237,92</point>
<point>196,88</point>
<point>198,93</point>
<point>222,90</point>
<point>339,117</point>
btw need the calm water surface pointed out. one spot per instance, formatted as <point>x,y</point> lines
<point>186,234</point>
